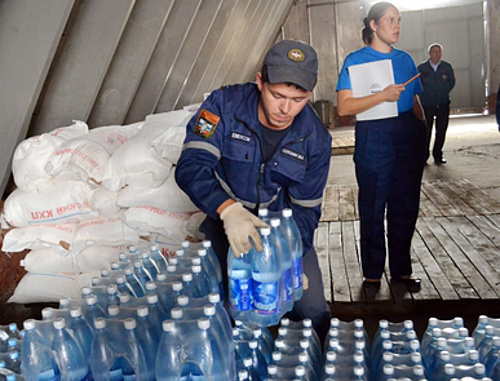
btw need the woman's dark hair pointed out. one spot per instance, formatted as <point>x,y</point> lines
<point>376,12</point>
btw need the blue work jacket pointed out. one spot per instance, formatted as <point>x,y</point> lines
<point>437,84</point>
<point>222,158</point>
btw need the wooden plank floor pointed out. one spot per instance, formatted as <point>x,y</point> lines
<point>455,248</point>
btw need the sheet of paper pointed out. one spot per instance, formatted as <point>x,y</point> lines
<point>370,78</point>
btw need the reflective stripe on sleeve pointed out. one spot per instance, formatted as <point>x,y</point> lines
<point>204,146</point>
<point>307,203</point>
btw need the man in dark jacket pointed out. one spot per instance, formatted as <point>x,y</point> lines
<point>438,79</point>
<point>261,145</point>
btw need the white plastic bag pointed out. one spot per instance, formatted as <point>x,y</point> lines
<point>57,202</point>
<point>167,196</point>
<point>94,258</point>
<point>148,220</point>
<point>32,154</point>
<point>104,202</point>
<point>37,237</point>
<point>83,158</point>
<point>102,231</point>
<point>50,287</point>
<point>137,162</point>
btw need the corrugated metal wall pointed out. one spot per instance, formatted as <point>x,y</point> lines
<point>113,62</point>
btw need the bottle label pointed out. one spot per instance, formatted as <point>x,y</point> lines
<point>297,273</point>
<point>266,297</point>
<point>240,295</point>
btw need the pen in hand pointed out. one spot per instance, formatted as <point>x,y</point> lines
<point>412,79</point>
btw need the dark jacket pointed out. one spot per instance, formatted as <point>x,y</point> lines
<point>222,158</point>
<point>437,84</point>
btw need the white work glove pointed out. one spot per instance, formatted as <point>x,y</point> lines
<point>241,225</point>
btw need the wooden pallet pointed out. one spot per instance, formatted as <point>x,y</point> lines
<point>454,249</point>
<point>343,146</point>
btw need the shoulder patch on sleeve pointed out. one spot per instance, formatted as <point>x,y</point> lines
<point>206,124</point>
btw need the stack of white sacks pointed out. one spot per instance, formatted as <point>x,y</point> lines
<point>84,195</point>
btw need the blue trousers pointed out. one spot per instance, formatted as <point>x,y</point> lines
<point>389,160</point>
<point>312,305</point>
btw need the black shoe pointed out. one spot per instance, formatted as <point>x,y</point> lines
<point>413,284</point>
<point>440,161</point>
<point>373,285</point>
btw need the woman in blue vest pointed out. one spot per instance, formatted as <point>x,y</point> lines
<point>389,152</point>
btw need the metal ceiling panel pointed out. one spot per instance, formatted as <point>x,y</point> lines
<point>197,70</point>
<point>132,56</point>
<point>168,48</point>
<point>85,57</point>
<point>29,34</point>
<point>189,53</point>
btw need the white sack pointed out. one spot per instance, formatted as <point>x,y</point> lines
<point>148,220</point>
<point>57,202</point>
<point>136,162</point>
<point>169,144</point>
<point>102,231</point>
<point>93,258</point>
<point>37,237</point>
<point>50,287</point>
<point>104,202</point>
<point>167,196</point>
<point>83,158</point>
<point>32,154</point>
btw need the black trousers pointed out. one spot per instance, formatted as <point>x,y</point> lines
<point>312,305</point>
<point>442,115</point>
<point>389,162</point>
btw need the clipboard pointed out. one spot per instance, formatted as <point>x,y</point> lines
<point>370,78</point>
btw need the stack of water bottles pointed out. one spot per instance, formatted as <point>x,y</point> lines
<point>449,352</point>
<point>253,348</point>
<point>10,352</point>
<point>396,352</point>
<point>185,332</point>
<point>264,285</point>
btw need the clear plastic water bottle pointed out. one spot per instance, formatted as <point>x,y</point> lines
<point>69,356</point>
<point>136,366</point>
<point>280,243</point>
<point>292,234</point>
<point>204,350</point>
<point>258,360</point>
<point>142,273</point>
<point>82,330</point>
<point>209,269</point>
<point>201,281</point>
<point>168,358</point>
<point>158,258</point>
<point>36,355</point>
<point>207,245</point>
<point>266,275</point>
<point>264,346</point>
<point>134,283</point>
<point>92,309</point>
<point>492,355</point>
<point>239,271</point>
<point>103,364</point>
<point>222,315</point>
<point>156,313</point>
<point>188,285</point>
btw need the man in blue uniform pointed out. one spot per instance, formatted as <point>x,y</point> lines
<point>438,79</point>
<point>261,145</point>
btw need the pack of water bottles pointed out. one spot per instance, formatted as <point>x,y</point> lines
<point>263,286</point>
<point>146,318</point>
<point>11,339</point>
<point>450,353</point>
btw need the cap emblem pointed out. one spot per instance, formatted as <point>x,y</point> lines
<point>296,55</point>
